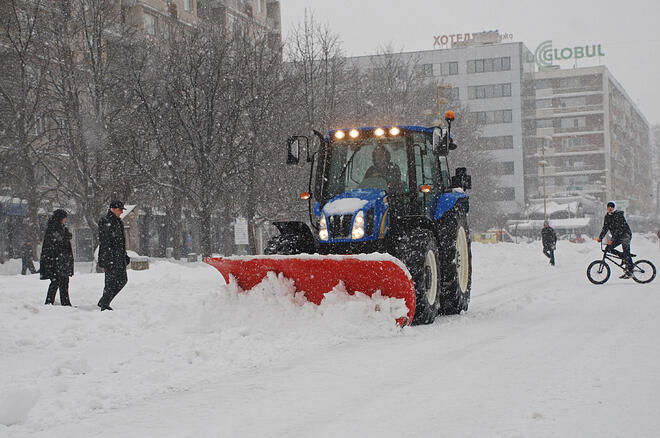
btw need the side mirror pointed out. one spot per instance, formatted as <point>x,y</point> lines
<point>439,144</point>
<point>293,150</point>
<point>293,146</point>
<point>461,180</point>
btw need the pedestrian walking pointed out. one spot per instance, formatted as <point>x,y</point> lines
<point>56,263</point>
<point>26,259</point>
<point>549,242</point>
<point>112,253</point>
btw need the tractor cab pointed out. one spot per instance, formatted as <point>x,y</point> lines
<point>367,181</point>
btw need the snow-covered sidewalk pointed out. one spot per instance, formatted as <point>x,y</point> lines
<point>541,352</point>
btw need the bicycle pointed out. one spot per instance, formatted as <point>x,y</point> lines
<point>599,271</point>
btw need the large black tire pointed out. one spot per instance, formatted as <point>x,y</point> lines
<point>419,252</point>
<point>643,271</point>
<point>598,272</point>
<point>456,261</point>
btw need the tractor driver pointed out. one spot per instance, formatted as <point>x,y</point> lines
<point>384,168</point>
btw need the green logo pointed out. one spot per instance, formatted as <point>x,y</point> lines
<point>545,54</point>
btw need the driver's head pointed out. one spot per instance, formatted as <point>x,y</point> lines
<point>380,157</point>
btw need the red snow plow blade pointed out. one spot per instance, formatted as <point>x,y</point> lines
<point>317,275</point>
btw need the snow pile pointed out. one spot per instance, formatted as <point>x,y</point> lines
<point>16,402</point>
<point>183,354</point>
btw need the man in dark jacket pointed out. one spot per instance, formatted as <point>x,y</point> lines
<point>112,253</point>
<point>26,259</point>
<point>549,242</point>
<point>56,263</point>
<point>616,224</point>
<point>384,168</point>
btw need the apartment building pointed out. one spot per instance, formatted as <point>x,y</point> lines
<point>591,139</point>
<point>156,17</point>
<point>495,81</point>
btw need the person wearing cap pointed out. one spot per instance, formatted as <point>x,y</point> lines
<point>56,262</point>
<point>112,253</point>
<point>549,242</point>
<point>616,224</point>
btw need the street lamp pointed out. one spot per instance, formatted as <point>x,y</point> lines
<point>544,163</point>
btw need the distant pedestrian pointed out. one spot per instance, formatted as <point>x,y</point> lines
<point>26,259</point>
<point>112,253</point>
<point>56,263</point>
<point>549,242</point>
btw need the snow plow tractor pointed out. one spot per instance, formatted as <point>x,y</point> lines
<point>386,216</point>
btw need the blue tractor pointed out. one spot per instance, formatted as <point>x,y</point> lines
<point>388,190</point>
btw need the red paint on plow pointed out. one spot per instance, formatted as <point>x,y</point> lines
<point>318,276</point>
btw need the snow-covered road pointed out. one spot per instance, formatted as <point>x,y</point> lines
<point>541,352</point>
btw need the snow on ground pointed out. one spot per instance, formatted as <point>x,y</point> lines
<point>541,352</point>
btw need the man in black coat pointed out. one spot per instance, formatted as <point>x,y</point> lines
<point>549,242</point>
<point>112,253</point>
<point>616,224</point>
<point>56,263</point>
<point>26,259</point>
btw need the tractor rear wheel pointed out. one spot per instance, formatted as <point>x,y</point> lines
<point>456,267</point>
<point>419,253</point>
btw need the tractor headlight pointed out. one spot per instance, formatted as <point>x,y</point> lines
<point>323,228</point>
<point>358,226</point>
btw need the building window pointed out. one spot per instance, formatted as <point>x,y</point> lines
<point>188,5</point>
<point>426,70</point>
<point>506,194</point>
<point>489,91</point>
<point>489,64</point>
<point>574,122</point>
<point>501,142</point>
<point>493,117</point>
<point>453,68</point>
<point>544,123</point>
<point>503,168</point>
<point>149,24</point>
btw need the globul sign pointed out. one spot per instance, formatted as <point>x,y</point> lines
<point>545,54</point>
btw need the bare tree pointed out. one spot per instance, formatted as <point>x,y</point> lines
<point>24,109</point>
<point>86,37</point>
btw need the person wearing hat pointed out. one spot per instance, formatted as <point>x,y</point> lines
<point>56,262</point>
<point>616,224</point>
<point>112,253</point>
<point>549,242</point>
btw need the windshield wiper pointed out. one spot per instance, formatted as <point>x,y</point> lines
<point>343,170</point>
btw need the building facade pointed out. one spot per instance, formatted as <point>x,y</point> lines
<point>156,17</point>
<point>495,81</point>
<point>579,123</point>
<point>591,140</point>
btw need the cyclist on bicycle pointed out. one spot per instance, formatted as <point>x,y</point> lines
<point>616,224</point>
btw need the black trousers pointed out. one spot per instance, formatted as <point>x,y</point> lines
<point>115,280</point>
<point>624,241</point>
<point>61,283</point>
<point>549,253</point>
<point>27,265</point>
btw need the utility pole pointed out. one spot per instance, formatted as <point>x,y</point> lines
<point>543,163</point>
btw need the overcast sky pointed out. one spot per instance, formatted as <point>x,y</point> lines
<point>629,31</point>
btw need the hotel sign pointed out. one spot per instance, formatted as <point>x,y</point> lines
<point>545,54</point>
<point>459,39</point>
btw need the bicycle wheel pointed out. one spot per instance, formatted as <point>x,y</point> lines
<point>598,272</point>
<point>643,271</point>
